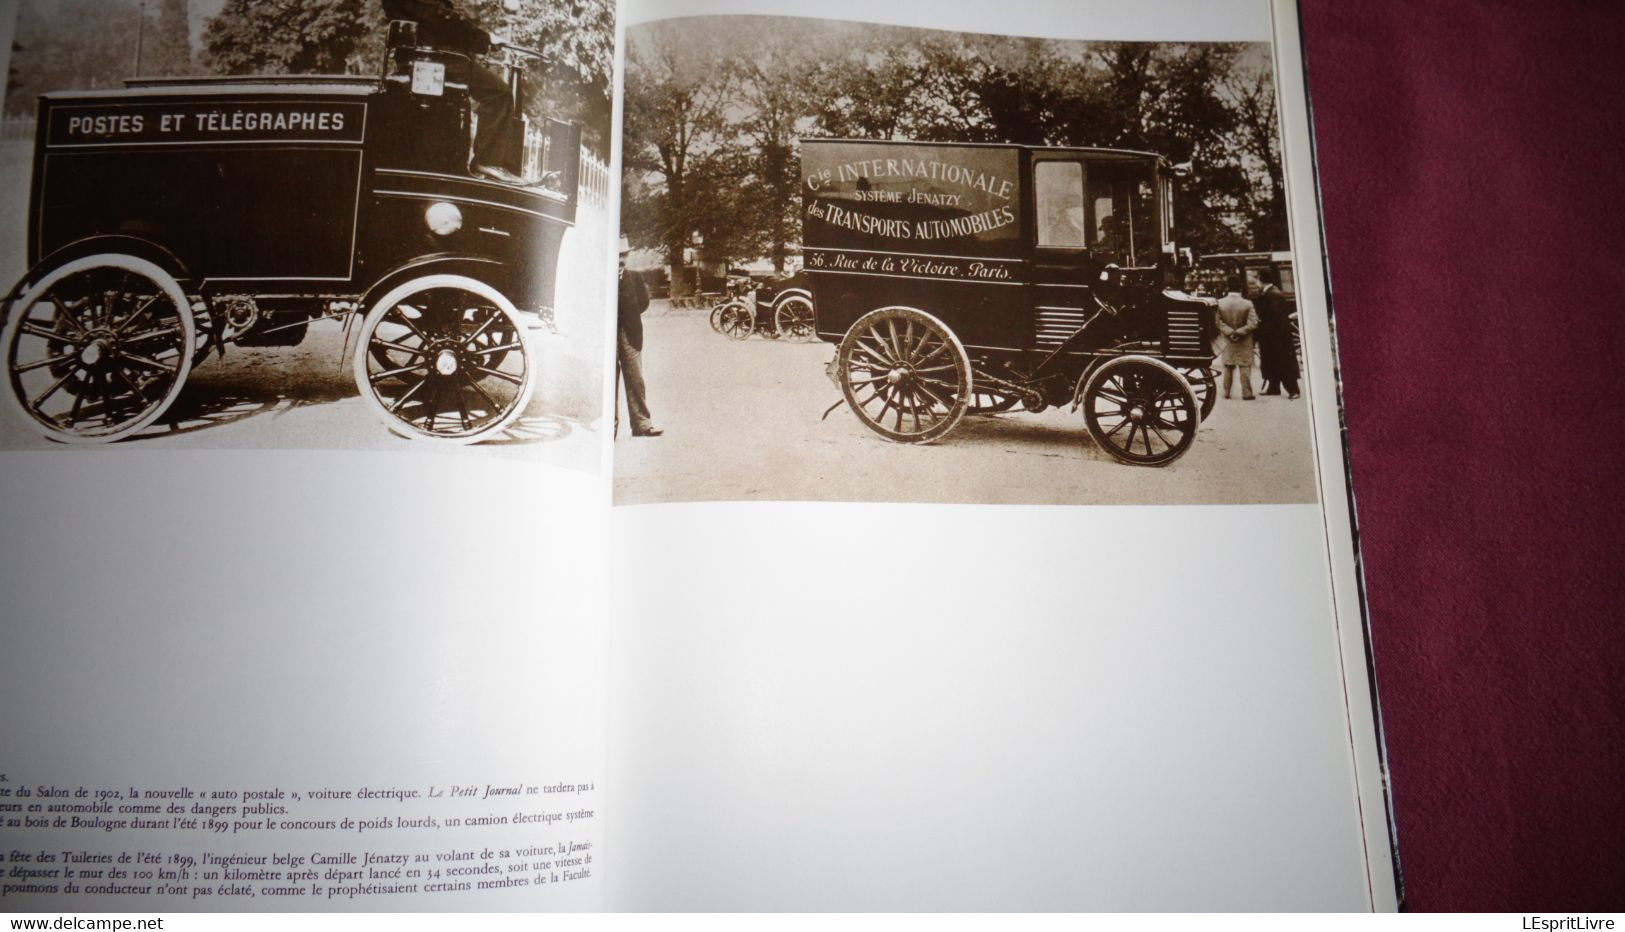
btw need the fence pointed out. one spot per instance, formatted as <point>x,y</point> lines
<point>593,181</point>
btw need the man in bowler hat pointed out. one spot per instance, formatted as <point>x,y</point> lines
<point>632,299</point>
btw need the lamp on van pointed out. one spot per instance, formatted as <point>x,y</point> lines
<point>443,218</point>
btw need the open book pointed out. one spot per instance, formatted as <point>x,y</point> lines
<point>950,553</point>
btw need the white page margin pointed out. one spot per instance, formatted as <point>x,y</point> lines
<point>692,533</point>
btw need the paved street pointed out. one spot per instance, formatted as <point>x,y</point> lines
<point>742,423</point>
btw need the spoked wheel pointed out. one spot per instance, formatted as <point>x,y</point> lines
<point>1204,382</point>
<point>904,374</point>
<point>443,357</point>
<point>795,320</point>
<point>987,402</point>
<point>736,321</point>
<point>1140,410</point>
<point>99,348</point>
<point>716,315</point>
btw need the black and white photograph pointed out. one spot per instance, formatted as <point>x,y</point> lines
<point>324,224</point>
<point>883,263</point>
<point>388,382</point>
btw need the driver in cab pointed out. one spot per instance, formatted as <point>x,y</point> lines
<point>441,25</point>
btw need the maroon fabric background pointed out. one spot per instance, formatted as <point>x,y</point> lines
<point>1474,191</point>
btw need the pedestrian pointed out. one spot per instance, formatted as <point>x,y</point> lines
<point>1237,320</point>
<point>632,299</point>
<point>1277,350</point>
<point>499,138</point>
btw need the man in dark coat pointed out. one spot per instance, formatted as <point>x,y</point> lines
<point>1277,353</point>
<point>632,299</point>
<point>498,141</point>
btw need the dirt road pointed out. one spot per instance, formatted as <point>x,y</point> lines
<point>304,397</point>
<point>741,422</point>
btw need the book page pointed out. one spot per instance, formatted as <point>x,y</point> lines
<point>987,543</point>
<point>305,540</point>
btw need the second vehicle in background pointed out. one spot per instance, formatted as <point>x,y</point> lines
<point>780,308</point>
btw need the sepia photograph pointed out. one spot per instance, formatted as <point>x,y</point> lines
<point>346,224</point>
<point>881,263</point>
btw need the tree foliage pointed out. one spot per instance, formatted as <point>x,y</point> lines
<point>287,36</point>
<point>677,89</point>
<point>776,79</point>
<point>577,38</point>
<point>53,49</point>
<point>56,50</point>
<point>765,83</point>
<point>169,50</point>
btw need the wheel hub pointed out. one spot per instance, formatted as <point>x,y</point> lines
<point>96,349</point>
<point>1137,413</point>
<point>445,362</point>
<point>897,375</point>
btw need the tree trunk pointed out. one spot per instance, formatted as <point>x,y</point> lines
<point>784,191</point>
<point>677,268</point>
<point>677,233</point>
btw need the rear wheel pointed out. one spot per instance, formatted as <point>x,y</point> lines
<point>716,315</point>
<point>99,348</point>
<point>1204,382</point>
<point>1140,410</point>
<point>769,330</point>
<point>904,374</point>
<point>444,358</point>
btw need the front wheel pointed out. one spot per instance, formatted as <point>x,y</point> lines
<point>1140,410</point>
<point>904,374</point>
<point>99,348</point>
<point>736,320</point>
<point>444,358</point>
<point>795,319</point>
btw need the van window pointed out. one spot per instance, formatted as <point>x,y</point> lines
<point>1060,204</point>
<point>1123,214</point>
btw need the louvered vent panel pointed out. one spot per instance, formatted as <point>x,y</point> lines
<point>1055,324</point>
<point>1185,332</point>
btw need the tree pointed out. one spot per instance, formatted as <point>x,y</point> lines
<point>677,86</point>
<point>289,36</point>
<point>1190,123</point>
<point>1026,87</point>
<point>741,109</point>
<point>776,62</point>
<point>577,38</point>
<point>1164,98</point>
<point>1250,94</point>
<point>56,52</point>
<point>169,44</point>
